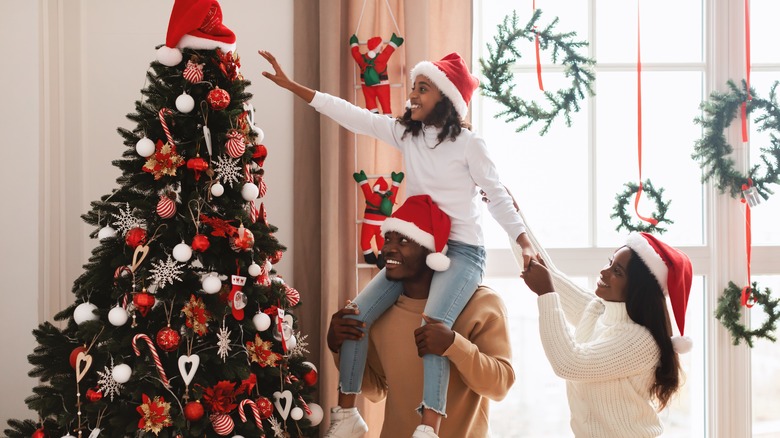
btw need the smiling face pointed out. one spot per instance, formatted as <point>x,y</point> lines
<point>405,258</point>
<point>423,98</point>
<point>613,281</point>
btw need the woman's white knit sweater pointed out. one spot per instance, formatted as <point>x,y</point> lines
<point>608,362</point>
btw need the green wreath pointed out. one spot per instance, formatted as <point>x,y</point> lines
<point>729,313</point>
<point>661,207</point>
<point>712,149</point>
<point>499,84</point>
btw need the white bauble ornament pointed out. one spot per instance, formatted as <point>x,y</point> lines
<point>217,189</point>
<point>260,134</point>
<point>261,321</point>
<point>211,284</point>
<point>83,313</point>
<point>254,269</point>
<point>121,373</point>
<point>106,232</point>
<point>117,316</point>
<point>250,191</point>
<point>182,252</point>
<point>291,342</point>
<point>169,56</point>
<point>296,413</point>
<point>316,414</point>
<point>68,436</point>
<point>185,103</point>
<point>145,147</point>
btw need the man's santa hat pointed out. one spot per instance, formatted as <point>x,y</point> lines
<point>373,46</point>
<point>452,76</point>
<point>672,269</point>
<point>421,220</point>
<point>195,24</point>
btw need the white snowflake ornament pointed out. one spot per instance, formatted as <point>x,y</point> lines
<point>166,272</point>
<point>108,386</point>
<point>228,169</point>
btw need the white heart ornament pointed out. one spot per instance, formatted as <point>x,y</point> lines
<point>83,362</point>
<point>194,361</point>
<point>287,396</point>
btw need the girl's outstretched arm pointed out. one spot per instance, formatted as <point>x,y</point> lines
<point>280,78</point>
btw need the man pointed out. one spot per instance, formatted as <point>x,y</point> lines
<point>477,346</point>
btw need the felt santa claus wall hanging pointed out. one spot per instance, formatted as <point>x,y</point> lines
<point>379,205</point>
<point>373,70</point>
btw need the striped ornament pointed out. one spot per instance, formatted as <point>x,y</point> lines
<point>255,412</point>
<point>222,424</point>
<point>153,352</point>
<point>293,296</point>
<point>166,207</point>
<point>262,185</point>
<point>193,72</point>
<point>235,144</point>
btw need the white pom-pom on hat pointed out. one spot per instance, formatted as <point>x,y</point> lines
<point>682,344</point>
<point>169,56</point>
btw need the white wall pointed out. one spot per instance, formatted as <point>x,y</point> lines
<point>69,96</point>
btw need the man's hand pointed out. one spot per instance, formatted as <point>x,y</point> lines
<point>344,329</point>
<point>433,338</point>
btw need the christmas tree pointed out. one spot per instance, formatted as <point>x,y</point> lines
<point>180,325</point>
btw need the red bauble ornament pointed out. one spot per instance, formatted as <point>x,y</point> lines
<point>94,395</point>
<point>193,411</point>
<point>200,243</point>
<point>265,406</point>
<point>168,339</point>
<point>310,377</point>
<point>143,302</point>
<point>218,99</point>
<point>75,354</point>
<point>166,207</point>
<point>40,433</point>
<point>276,257</point>
<point>197,165</point>
<point>135,237</point>
<point>259,155</point>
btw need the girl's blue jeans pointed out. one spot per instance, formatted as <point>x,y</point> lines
<point>449,293</point>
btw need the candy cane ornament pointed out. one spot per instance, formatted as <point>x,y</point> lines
<point>155,356</point>
<point>163,112</point>
<point>255,412</point>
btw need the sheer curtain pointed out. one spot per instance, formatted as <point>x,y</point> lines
<point>325,202</point>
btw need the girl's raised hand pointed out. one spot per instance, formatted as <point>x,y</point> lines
<point>278,76</point>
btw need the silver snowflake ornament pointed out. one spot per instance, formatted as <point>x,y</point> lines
<point>223,342</point>
<point>166,271</point>
<point>276,427</point>
<point>228,169</point>
<point>108,386</point>
<point>300,347</point>
<point>125,221</point>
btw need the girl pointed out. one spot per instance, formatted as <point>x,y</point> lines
<point>621,362</point>
<point>449,163</point>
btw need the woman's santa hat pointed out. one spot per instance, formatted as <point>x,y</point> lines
<point>195,24</point>
<point>452,76</point>
<point>421,220</point>
<point>672,269</point>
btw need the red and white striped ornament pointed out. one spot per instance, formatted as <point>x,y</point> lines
<point>153,351</point>
<point>193,72</point>
<point>166,207</point>
<point>292,295</point>
<point>255,412</point>
<point>162,113</point>
<point>261,185</point>
<point>222,423</point>
<point>235,144</point>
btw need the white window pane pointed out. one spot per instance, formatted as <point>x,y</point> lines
<point>670,102</point>
<point>671,31</point>
<point>765,358</point>
<point>763,24</point>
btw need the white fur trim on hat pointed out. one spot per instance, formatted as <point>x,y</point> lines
<point>647,253</point>
<point>429,69</point>
<point>409,230</point>
<point>199,43</point>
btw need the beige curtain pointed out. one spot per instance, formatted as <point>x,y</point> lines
<point>328,201</point>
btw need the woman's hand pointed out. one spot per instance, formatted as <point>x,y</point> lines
<point>344,329</point>
<point>537,277</point>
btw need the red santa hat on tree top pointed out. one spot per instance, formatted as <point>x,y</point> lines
<point>421,220</point>
<point>195,24</point>
<point>452,76</point>
<point>373,45</point>
<point>672,269</point>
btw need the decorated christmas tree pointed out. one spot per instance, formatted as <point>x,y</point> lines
<point>180,326</point>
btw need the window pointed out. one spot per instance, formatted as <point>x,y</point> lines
<point>688,50</point>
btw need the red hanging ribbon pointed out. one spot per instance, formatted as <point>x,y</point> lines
<point>743,107</point>
<point>747,291</point>
<point>639,118</point>
<point>538,61</point>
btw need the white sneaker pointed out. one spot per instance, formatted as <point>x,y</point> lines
<point>424,431</point>
<point>346,423</point>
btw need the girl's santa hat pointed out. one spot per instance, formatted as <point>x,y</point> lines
<point>421,220</point>
<point>195,24</point>
<point>451,75</point>
<point>672,269</point>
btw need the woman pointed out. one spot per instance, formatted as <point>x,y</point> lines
<point>620,361</point>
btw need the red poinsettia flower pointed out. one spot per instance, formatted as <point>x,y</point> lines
<point>260,352</point>
<point>196,315</point>
<point>155,414</point>
<point>248,384</point>
<point>221,398</point>
<point>220,227</point>
<point>164,161</point>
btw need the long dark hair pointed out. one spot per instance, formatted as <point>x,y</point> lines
<point>645,303</point>
<point>443,115</point>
